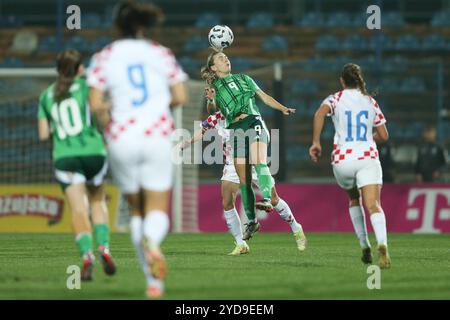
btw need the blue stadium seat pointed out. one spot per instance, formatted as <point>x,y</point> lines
<point>297,153</point>
<point>12,62</point>
<point>441,19</point>
<point>275,43</point>
<point>302,86</point>
<point>101,42</point>
<point>312,20</point>
<point>260,20</point>
<point>208,20</point>
<point>328,42</point>
<point>91,21</point>
<point>413,85</point>
<point>392,19</point>
<point>434,42</point>
<point>407,42</point>
<point>48,44</point>
<point>339,19</point>
<point>354,42</point>
<point>382,40</point>
<point>240,64</point>
<point>396,63</point>
<point>11,21</point>
<point>78,43</point>
<point>298,104</point>
<point>316,62</point>
<point>390,85</point>
<point>190,65</point>
<point>196,43</point>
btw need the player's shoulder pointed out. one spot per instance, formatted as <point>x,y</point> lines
<point>48,92</point>
<point>158,48</point>
<point>333,98</point>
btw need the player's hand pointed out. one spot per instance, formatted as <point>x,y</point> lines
<point>315,152</point>
<point>210,93</point>
<point>288,111</point>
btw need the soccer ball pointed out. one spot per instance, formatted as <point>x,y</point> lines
<point>220,37</point>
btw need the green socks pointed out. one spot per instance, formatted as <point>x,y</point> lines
<point>84,243</point>
<point>248,201</point>
<point>101,232</point>
<point>265,180</point>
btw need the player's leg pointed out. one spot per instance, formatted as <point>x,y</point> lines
<point>100,220</point>
<point>370,180</point>
<point>258,155</point>
<point>371,197</point>
<point>243,171</point>
<point>229,192</point>
<point>78,204</point>
<point>359,223</point>
<point>285,212</point>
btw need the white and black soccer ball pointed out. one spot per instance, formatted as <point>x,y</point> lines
<point>220,37</point>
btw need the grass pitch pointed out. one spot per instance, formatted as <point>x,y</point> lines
<point>33,266</point>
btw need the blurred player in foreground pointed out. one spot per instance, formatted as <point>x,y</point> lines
<point>356,166</point>
<point>143,80</point>
<point>79,158</point>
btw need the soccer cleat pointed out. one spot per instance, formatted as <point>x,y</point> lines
<point>300,239</point>
<point>88,267</point>
<point>366,255</point>
<point>240,249</point>
<point>384,261</point>
<point>265,205</point>
<point>250,229</point>
<point>109,267</point>
<point>155,259</point>
<point>154,292</point>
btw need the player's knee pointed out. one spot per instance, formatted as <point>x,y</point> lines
<point>373,206</point>
<point>227,204</point>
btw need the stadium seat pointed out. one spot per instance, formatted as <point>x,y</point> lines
<point>11,21</point>
<point>382,40</point>
<point>190,65</point>
<point>91,21</point>
<point>302,86</point>
<point>339,19</point>
<point>48,44</point>
<point>441,19</point>
<point>208,20</point>
<point>413,85</point>
<point>78,43</point>
<point>196,43</point>
<point>260,20</point>
<point>275,43</point>
<point>434,42</point>
<point>101,42</point>
<point>328,43</point>
<point>316,62</point>
<point>24,42</point>
<point>395,64</point>
<point>354,42</point>
<point>407,42</point>
<point>390,85</point>
<point>240,63</point>
<point>12,62</point>
<point>392,19</point>
<point>312,20</point>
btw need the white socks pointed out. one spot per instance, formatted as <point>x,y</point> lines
<point>379,226</point>
<point>359,224</point>
<point>156,226</point>
<point>285,212</point>
<point>136,238</point>
<point>234,225</point>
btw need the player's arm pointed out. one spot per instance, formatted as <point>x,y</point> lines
<point>179,95</point>
<point>210,95</point>
<point>274,104</point>
<point>43,129</point>
<point>381,134</point>
<point>197,136</point>
<point>99,107</point>
<point>315,151</point>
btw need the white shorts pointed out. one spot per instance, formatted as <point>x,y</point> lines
<point>141,163</point>
<point>230,174</point>
<point>358,173</point>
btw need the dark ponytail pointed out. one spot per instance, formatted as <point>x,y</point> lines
<point>130,17</point>
<point>67,64</point>
<point>353,78</point>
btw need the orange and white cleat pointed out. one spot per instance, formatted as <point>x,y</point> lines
<point>155,259</point>
<point>154,292</point>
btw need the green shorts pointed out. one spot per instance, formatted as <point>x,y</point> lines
<point>83,169</point>
<point>246,131</point>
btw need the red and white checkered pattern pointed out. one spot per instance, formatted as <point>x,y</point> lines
<point>217,121</point>
<point>164,126</point>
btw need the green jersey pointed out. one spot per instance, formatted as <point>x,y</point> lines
<point>236,94</point>
<point>71,122</point>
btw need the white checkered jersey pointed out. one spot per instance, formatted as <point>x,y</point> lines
<point>217,121</point>
<point>137,75</point>
<point>354,116</point>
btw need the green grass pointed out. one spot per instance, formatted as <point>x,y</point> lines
<point>33,266</point>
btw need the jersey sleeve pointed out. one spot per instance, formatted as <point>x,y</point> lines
<point>253,86</point>
<point>379,118</point>
<point>331,101</point>
<point>42,113</point>
<point>96,72</point>
<point>174,72</point>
